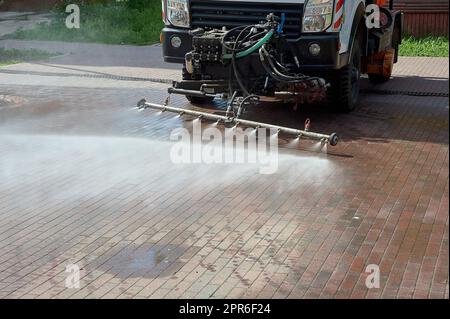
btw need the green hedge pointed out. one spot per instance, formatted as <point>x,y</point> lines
<point>105,21</point>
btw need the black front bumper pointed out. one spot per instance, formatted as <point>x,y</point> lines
<point>328,59</point>
<point>176,55</point>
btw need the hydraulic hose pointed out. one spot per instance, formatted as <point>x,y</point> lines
<point>235,49</point>
<point>275,70</point>
<point>252,49</point>
<point>234,30</point>
<point>272,70</point>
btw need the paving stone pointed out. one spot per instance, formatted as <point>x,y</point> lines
<point>86,179</point>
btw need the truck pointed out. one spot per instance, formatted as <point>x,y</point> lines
<point>297,51</point>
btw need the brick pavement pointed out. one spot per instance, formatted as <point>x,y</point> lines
<point>86,179</point>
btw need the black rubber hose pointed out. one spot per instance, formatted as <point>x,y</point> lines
<point>279,76</point>
<point>241,105</point>
<point>233,62</point>
<point>240,34</point>
<point>238,76</point>
<point>265,56</point>
<point>275,70</point>
<point>269,71</point>
<point>258,35</point>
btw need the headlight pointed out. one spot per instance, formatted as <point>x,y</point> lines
<point>318,15</point>
<point>176,13</point>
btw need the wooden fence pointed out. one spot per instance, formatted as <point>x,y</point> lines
<point>424,17</point>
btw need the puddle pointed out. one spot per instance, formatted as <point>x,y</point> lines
<point>145,261</point>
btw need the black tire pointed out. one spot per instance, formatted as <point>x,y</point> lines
<point>396,40</point>
<point>199,100</point>
<point>345,83</point>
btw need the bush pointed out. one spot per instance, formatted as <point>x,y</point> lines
<point>429,47</point>
<point>105,21</point>
<point>140,4</point>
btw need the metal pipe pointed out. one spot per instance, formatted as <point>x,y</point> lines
<point>189,92</point>
<point>209,116</point>
<point>230,103</point>
<point>331,139</point>
<point>286,130</point>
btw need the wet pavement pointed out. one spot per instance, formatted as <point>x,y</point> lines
<point>87,59</point>
<point>86,179</point>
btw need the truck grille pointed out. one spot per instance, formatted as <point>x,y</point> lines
<point>211,14</point>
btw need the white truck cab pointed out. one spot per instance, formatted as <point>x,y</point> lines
<point>334,40</point>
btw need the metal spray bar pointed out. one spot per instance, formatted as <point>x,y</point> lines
<point>305,134</point>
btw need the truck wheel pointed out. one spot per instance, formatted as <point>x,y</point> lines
<point>199,100</point>
<point>344,90</point>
